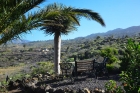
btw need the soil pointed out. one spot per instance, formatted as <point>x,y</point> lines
<point>80,83</point>
<point>83,82</point>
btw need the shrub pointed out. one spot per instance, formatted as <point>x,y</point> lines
<point>112,87</point>
<point>130,65</point>
<point>70,60</point>
<point>110,53</point>
<point>42,68</point>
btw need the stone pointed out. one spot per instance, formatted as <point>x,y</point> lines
<point>86,90</point>
<point>47,87</point>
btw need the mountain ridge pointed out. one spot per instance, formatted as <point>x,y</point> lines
<point>118,32</point>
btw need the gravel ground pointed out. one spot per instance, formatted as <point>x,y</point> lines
<point>85,82</point>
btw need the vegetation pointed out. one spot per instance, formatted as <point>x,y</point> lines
<point>42,68</point>
<point>129,76</point>
<point>130,66</point>
<point>13,20</point>
<point>60,20</point>
<point>110,53</point>
<point>112,87</point>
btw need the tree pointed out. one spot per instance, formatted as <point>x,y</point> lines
<point>60,20</point>
<point>13,20</point>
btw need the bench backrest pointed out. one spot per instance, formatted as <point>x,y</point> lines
<point>81,66</point>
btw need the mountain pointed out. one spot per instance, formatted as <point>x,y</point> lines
<point>119,32</point>
<point>19,41</point>
<point>131,31</point>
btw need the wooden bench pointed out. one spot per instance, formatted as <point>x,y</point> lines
<point>91,67</point>
<point>84,66</point>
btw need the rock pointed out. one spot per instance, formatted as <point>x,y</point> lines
<point>103,91</point>
<point>47,87</point>
<point>12,85</point>
<point>48,74</point>
<point>40,75</point>
<point>86,90</point>
<point>35,80</point>
<point>100,90</point>
<point>67,90</point>
<point>73,91</point>
<point>95,89</point>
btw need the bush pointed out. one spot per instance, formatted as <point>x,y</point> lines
<point>110,53</point>
<point>130,65</point>
<point>43,67</point>
<point>70,60</point>
<point>112,87</point>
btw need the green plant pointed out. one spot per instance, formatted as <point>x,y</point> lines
<point>130,66</point>
<point>3,90</point>
<point>43,67</point>
<point>3,86</point>
<point>111,87</point>
<point>19,76</point>
<point>70,60</point>
<point>130,83</point>
<point>110,53</point>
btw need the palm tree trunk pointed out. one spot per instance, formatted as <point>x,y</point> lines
<point>57,52</point>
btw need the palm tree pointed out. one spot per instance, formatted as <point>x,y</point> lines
<point>60,20</point>
<point>13,20</point>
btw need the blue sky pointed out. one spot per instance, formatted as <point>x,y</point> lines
<point>116,14</point>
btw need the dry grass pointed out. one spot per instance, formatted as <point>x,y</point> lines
<point>9,71</point>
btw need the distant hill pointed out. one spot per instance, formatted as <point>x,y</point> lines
<point>131,31</point>
<point>119,32</point>
<point>19,41</point>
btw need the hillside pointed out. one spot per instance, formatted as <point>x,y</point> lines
<point>33,51</point>
<point>119,32</point>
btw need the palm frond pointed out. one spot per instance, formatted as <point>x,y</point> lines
<point>66,19</point>
<point>11,18</point>
<point>90,15</point>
